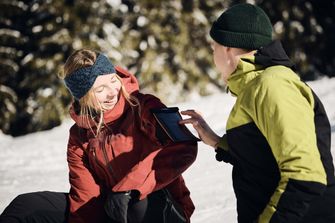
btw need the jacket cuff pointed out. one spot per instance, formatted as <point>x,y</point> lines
<point>222,150</point>
<point>223,144</point>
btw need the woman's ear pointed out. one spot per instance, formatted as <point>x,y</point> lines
<point>231,55</point>
<point>231,52</point>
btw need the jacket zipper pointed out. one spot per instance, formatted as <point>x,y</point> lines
<point>109,166</point>
<point>99,164</point>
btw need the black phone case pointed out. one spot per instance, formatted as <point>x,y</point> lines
<point>168,119</point>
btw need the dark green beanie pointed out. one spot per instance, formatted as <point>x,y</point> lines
<point>243,26</point>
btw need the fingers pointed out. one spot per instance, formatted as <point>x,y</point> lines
<point>191,113</point>
<point>206,134</point>
<point>195,119</point>
<point>192,121</point>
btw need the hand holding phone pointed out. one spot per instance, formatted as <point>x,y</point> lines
<point>168,119</point>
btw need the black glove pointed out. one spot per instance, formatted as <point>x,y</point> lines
<point>222,155</point>
<point>116,206</point>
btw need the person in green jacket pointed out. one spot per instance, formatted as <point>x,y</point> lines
<point>278,134</point>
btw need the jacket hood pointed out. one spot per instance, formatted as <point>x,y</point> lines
<point>273,54</point>
<point>250,67</point>
<point>85,121</point>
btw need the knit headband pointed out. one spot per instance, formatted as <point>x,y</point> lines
<point>80,81</point>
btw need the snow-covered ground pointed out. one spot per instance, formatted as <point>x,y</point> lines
<point>37,161</point>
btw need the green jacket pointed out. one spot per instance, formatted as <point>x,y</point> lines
<point>278,138</point>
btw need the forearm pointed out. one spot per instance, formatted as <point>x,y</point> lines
<point>159,169</point>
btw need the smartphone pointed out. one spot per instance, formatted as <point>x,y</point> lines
<point>168,118</point>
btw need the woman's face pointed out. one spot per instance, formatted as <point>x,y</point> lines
<point>106,89</point>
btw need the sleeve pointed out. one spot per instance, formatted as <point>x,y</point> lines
<point>162,164</point>
<point>222,151</point>
<point>181,195</point>
<point>168,164</point>
<point>86,204</point>
<point>174,158</point>
<point>283,111</point>
<point>148,123</point>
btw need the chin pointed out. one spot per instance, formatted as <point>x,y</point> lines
<point>107,108</point>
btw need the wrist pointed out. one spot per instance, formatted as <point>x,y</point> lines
<point>216,142</point>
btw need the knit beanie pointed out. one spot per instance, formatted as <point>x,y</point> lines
<point>242,26</point>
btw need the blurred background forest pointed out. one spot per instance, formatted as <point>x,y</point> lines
<point>164,43</point>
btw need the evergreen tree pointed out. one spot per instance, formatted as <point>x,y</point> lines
<point>307,30</point>
<point>36,36</point>
<point>164,43</point>
<point>31,46</point>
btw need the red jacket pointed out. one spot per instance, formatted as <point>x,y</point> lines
<point>125,156</point>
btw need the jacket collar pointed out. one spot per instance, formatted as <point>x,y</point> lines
<point>250,67</point>
<point>246,71</point>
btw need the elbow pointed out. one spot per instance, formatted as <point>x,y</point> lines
<point>192,152</point>
<point>185,156</point>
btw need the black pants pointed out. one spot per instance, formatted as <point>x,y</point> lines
<point>52,207</point>
<point>37,207</point>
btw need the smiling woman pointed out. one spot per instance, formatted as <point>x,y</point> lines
<point>106,89</point>
<point>121,168</point>
<point>93,82</point>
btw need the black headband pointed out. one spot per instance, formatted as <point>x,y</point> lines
<point>80,81</point>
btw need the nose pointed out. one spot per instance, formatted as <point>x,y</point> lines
<point>112,92</point>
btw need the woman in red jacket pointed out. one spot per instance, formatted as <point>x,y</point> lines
<point>115,156</point>
<point>121,167</point>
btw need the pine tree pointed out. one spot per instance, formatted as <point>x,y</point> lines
<point>36,37</point>
<point>164,43</point>
<point>307,30</point>
<point>31,47</point>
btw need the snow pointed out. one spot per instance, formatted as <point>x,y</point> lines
<point>37,161</point>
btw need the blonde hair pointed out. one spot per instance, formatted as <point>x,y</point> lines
<point>84,58</point>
